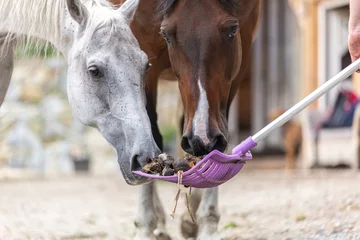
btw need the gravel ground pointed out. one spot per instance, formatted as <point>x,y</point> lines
<point>257,204</point>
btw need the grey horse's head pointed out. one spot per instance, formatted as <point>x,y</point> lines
<point>106,81</point>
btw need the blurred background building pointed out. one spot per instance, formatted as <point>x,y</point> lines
<point>299,46</point>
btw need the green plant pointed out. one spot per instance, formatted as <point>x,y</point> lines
<point>300,217</point>
<point>29,48</point>
<point>230,225</point>
<point>168,133</point>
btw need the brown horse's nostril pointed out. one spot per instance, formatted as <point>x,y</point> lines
<point>219,142</point>
<point>198,146</point>
<point>194,145</point>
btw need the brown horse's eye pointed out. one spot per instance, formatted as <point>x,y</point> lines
<point>165,36</point>
<point>232,32</point>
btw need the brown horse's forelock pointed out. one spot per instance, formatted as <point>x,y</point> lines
<point>232,6</point>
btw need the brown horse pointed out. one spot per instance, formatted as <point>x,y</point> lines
<point>207,44</point>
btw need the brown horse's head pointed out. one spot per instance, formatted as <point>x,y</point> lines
<point>205,41</point>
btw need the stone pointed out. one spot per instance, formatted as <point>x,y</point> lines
<point>5,153</point>
<point>26,147</point>
<point>31,94</point>
<point>57,159</point>
<point>51,110</point>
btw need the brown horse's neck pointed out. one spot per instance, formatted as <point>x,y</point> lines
<point>146,14</point>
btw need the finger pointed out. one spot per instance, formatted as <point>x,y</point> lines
<point>353,59</point>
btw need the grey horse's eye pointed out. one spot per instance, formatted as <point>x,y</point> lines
<point>148,66</point>
<point>95,72</point>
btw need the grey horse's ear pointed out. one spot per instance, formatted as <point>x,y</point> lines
<point>129,8</point>
<point>78,11</point>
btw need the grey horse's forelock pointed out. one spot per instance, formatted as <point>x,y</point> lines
<point>100,18</point>
<point>45,17</point>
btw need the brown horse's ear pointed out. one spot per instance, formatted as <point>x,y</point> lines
<point>78,11</point>
<point>129,8</point>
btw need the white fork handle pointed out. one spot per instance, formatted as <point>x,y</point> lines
<point>344,74</point>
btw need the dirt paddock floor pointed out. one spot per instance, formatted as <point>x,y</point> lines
<point>257,204</point>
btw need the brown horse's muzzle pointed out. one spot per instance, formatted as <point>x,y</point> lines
<point>198,146</point>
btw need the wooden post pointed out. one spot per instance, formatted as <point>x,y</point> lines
<point>310,49</point>
<point>258,113</point>
<point>306,12</point>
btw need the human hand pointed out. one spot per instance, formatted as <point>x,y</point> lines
<point>354,45</point>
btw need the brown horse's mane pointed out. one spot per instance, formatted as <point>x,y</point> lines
<point>232,6</point>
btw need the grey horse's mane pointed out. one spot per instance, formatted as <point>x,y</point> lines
<point>43,18</point>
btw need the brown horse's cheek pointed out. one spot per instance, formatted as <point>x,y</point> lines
<point>237,58</point>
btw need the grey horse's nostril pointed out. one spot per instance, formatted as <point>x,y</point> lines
<point>135,164</point>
